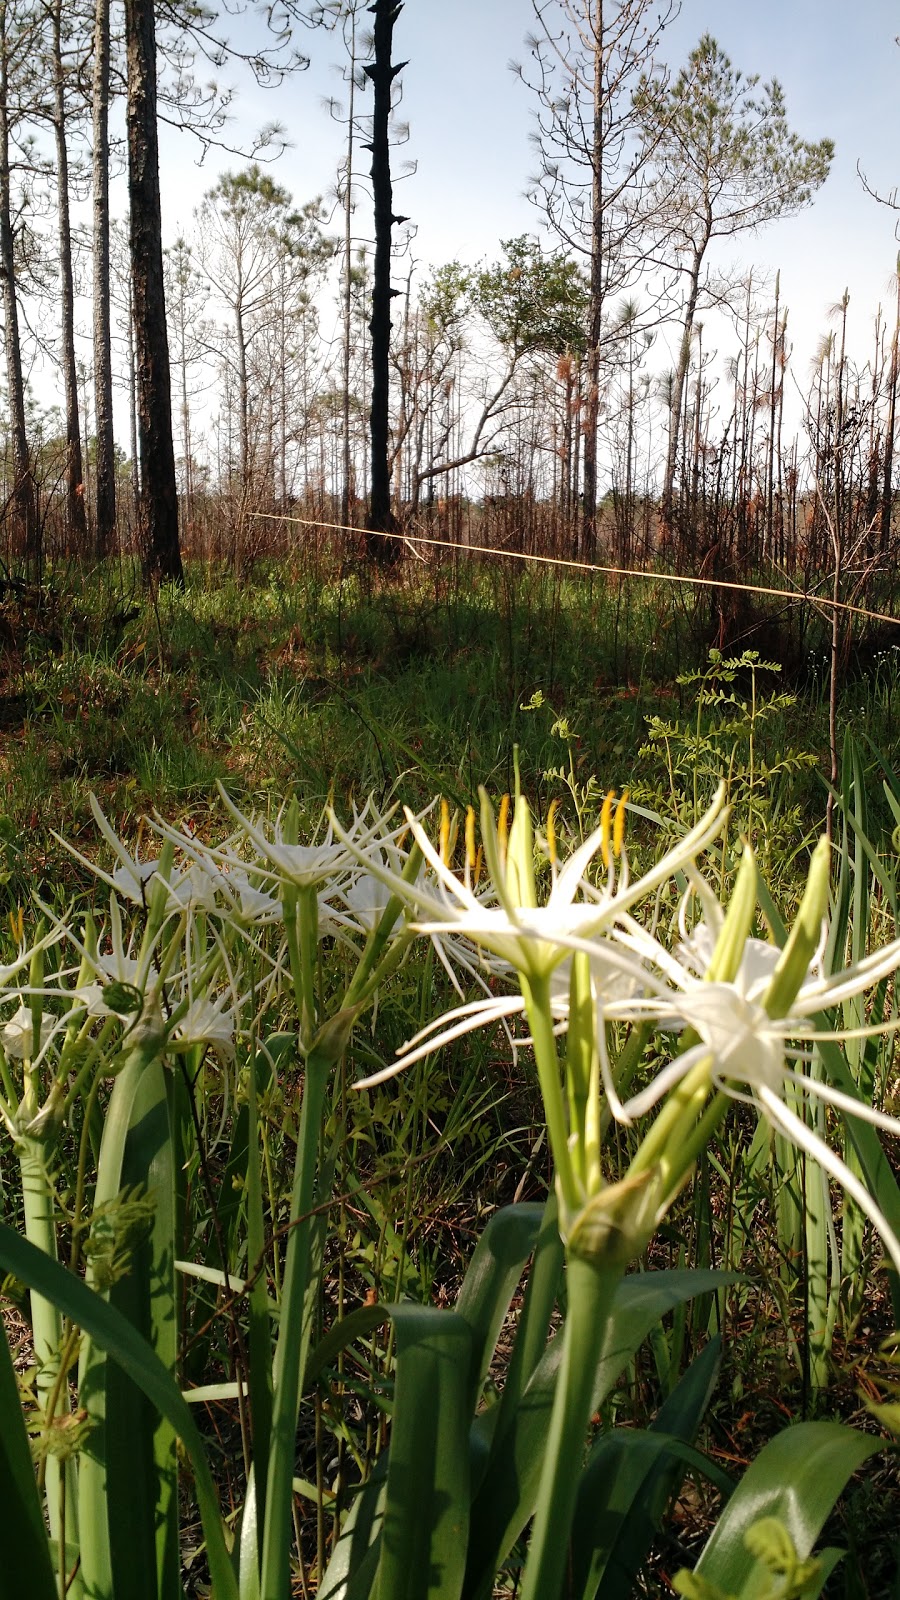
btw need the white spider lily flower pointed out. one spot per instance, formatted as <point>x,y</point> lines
<point>17,1035</point>
<point>208,1022</point>
<point>200,886</point>
<point>220,878</point>
<point>111,971</point>
<point>748,1045</point>
<point>616,977</point>
<point>365,899</point>
<point>281,858</point>
<point>253,904</point>
<point>534,939</point>
<point>131,877</point>
<point>116,969</point>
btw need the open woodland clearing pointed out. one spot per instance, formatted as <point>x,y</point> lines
<point>449,823</point>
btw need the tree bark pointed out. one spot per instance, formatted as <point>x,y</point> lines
<point>105,497</point>
<point>595,310</point>
<point>381,519</point>
<point>887,493</point>
<point>22,500</point>
<point>158,508</point>
<point>75,514</point>
<point>678,386</point>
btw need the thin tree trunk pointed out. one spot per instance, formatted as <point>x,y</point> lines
<point>382,73</point>
<point>595,310</point>
<point>678,385</point>
<point>105,531</point>
<point>243,401</point>
<point>887,493</point>
<point>23,507</point>
<point>158,514</point>
<point>132,409</point>
<point>770,544</point>
<point>75,517</point>
<point>348,285</point>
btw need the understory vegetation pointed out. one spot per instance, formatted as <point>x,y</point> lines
<point>277,1235</point>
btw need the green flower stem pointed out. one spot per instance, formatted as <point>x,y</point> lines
<point>301,921</point>
<point>290,1351</point>
<point>368,973</point>
<point>40,1230</point>
<point>690,1146</point>
<point>591,1287</point>
<point>660,1147</point>
<point>10,1087</point>
<point>536,994</point>
<point>84,1064</point>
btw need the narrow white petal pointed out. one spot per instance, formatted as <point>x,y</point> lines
<point>843,1102</point>
<point>819,1151</point>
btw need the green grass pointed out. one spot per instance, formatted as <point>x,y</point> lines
<point>344,685</point>
<point>323,684</point>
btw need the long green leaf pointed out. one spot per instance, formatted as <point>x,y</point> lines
<point>876,1168</point>
<point>426,1512</point>
<point>797,1478</point>
<point>534,1322</point>
<point>110,1332</point>
<point>25,1568</point>
<point>490,1282</point>
<point>507,1496</point>
<point>290,1354</point>
<point>352,1568</point>
<point>260,1329</point>
<point>628,1544</point>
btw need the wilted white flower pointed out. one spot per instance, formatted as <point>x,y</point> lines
<point>17,1035</point>
<point>208,1022</point>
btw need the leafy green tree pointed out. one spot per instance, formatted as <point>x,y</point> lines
<point>722,161</point>
<point>529,303</point>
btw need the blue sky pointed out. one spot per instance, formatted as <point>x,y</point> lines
<point>470,122</point>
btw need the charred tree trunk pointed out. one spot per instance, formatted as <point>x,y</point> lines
<point>105,493</point>
<point>75,517</point>
<point>595,310</point>
<point>158,509</point>
<point>23,507</point>
<point>381,519</point>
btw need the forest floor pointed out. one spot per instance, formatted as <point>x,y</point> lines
<point>331,684</point>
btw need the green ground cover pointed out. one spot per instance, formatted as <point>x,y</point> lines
<point>330,686</point>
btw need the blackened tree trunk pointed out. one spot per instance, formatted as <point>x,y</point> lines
<point>105,505</point>
<point>595,311</point>
<point>76,522</point>
<point>23,508</point>
<point>158,509</point>
<point>381,519</point>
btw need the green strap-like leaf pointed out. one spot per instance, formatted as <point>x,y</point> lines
<point>25,1567</point>
<point>507,1496</point>
<point>490,1283</point>
<point>351,1570</point>
<point>426,1513</point>
<point>611,1563</point>
<point>110,1331</point>
<point>796,1478</point>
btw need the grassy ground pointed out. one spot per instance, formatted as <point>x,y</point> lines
<point>330,683</point>
<point>325,682</point>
